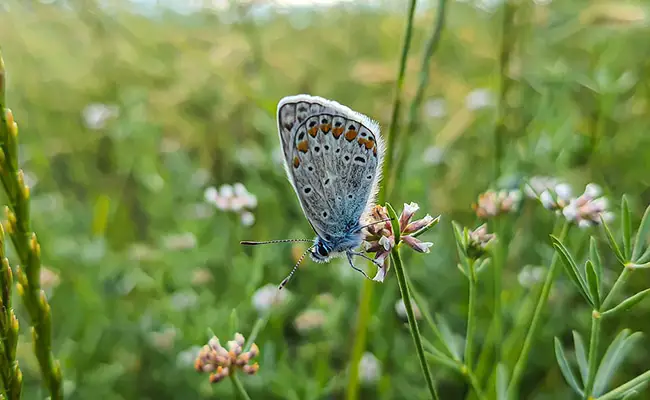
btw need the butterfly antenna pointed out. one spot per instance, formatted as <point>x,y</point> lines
<point>295,268</point>
<point>251,243</point>
<point>375,223</point>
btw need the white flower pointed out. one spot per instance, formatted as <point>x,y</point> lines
<point>226,191</point>
<point>247,218</point>
<point>479,98</point>
<point>96,115</point>
<point>267,296</point>
<point>369,368</point>
<point>211,194</point>
<point>563,191</point>
<point>592,190</point>
<point>435,108</point>
<point>433,155</point>
<point>546,199</point>
<point>240,190</point>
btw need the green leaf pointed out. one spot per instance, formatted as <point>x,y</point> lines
<point>448,336</point>
<point>594,283</point>
<point>581,356</point>
<point>627,303</point>
<point>612,241</point>
<point>483,265</point>
<point>502,382</point>
<point>642,235</point>
<point>394,222</point>
<point>426,229</point>
<point>614,355</point>
<point>234,321</point>
<point>572,269</point>
<point>438,359</point>
<point>594,256</point>
<point>635,391</point>
<point>627,228</point>
<point>565,368</point>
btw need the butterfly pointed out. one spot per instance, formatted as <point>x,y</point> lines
<point>333,158</point>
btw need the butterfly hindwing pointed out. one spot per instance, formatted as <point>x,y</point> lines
<point>333,159</point>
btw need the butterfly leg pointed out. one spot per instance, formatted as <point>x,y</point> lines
<point>367,258</point>
<point>349,254</point>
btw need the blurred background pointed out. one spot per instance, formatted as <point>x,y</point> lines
<point>134,115</point>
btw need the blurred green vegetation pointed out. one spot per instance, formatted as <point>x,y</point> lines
<point>126,119</point>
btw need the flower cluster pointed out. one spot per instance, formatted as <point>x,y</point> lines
<point>586,210</point>
<point>235,198</point>
<point>479,239</point>
<point>380,239</point>
<point>493,203</point>
<point>221,361</point>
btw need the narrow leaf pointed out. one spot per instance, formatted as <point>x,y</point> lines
<point>427,228</point>
<point>448,336</point>
<point>594,283</point>
<point>572,269</point>
<point>635,391</point>
<point>594,256</point>
<point>642,236</point>
<point>581,356</point>
<point>483,265</point>
<point>565,368</point>
<point>612,242</point>
<point>614,355</point>
<point>627,303</point>
<point>394,222</point>
<point>440,360</point>
<point>458,234</point>
<point>234,321</point>
<point>627,228</point>
<point>502,382</point>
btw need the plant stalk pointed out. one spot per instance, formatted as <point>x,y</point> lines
<point>618,392</point>
<point>593,354</point>
<point>471,317</point>
<point>620,281</point>
<point>240,392</point>
<point>522,361</point>
<point>415,331</point>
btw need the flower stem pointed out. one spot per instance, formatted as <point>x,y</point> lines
<point>507,44</point>
<point>593,354</point>
<point>363,310</point>
<point>415,331</point>
<point>471,316</point>
<point>522,361</point>
<point>498,260</point>
<point>618,392</point>
<point>12,377</point>
<point>620,281</point>
<point>28,250</point>
<point>239,388</point>
<point>429,49</point>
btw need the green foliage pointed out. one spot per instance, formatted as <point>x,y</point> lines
<point>127,119</point>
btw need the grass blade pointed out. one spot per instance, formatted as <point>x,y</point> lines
<point>627,228</point>
<point>642,236</point>
<point>565,368</point>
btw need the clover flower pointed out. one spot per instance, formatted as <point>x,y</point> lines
<point>235,198</point>
<point>268,296</point>
<point>586,210</point>
<point>369,368</point>
<point>479,240</point>
<point>493,203</point>
<point>380,239</point>
<point>222,361</point>
<point>539,184</point>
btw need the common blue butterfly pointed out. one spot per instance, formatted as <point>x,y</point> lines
<point>333,158</point>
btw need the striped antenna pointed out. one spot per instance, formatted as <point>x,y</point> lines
<point>251,243</point>
<point>295,268</point>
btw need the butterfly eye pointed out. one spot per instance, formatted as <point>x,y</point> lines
<point>322,251</point>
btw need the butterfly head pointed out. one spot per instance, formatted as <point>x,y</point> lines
<point>321,251</point>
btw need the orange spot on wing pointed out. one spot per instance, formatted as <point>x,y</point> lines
<point>337,132</point>
<point>303,146</point>
<point>350,135</point>
<point>313,131</point>
<point>326,128</point>
<point>374,150</point>
<point>296,162</point>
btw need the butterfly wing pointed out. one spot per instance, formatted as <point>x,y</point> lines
<point>333,157</point>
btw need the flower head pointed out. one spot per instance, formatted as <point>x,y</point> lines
<point>369,368</point>
<point>234,198</point>
<point>493,203</point>
<point>379,237</point>
<point>479,239</point>
<point>222,361</point>
<point>586,210</point>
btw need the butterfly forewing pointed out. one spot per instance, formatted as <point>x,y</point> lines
<point>333,159</point>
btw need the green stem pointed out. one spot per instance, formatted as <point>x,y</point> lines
<point>429,49</point>
<point>498,261</point>
<point>593,354</point>
<point>239,388</point>
<point>415,331</point>
<point>471,316</point>
<point>363,311</point>
<point>522,361</point>
<point>620,281</point>
<point>397,100</point>
<point>618,392</point>
<point>475,384</point>
<point>507,44</point>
